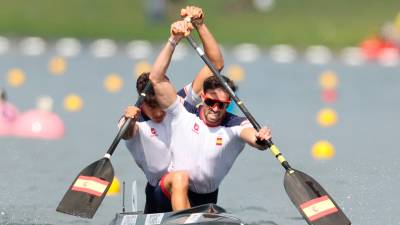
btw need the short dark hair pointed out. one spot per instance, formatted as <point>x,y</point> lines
<point>150,98</point>
<point>213,82</point>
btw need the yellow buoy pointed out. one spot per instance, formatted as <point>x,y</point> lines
<point>57,66</point>
<point>15,77</point>
<point>328,80</point>
<point>323,150</point>
<point>327,117</point>
<point>114,188</point>
<point>236,73</point>
<point>113,82</point>
<point>73,103</point>
<point>142,66</point>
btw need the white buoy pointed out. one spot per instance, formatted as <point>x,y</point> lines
<point>318,54</point>
<point>4,45</point>
<point>246,52</point>
<point>68,47</point>
<point>180,52</point>
<point>103,48</point>
<point>139,49</point>
<point>352,56</point>
<point>32,46</point>
<point>283,53</point>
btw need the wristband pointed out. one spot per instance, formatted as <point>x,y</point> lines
<point>172,42</point>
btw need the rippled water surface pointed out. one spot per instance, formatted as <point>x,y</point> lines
<point>362,177</point>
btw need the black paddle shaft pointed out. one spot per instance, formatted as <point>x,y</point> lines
<point>210,65</point>
<point>125,126</point>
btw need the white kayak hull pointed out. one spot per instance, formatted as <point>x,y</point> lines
<point>209,214</point>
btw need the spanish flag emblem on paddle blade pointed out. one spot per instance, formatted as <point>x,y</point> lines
<point>318,207</point>
<point>90,185</point>
<point>313,202</point>
<point>88,190</point>
<point>219,141</point>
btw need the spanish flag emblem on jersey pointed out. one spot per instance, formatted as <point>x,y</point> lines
<point>318,207</point>
<point>219,141</point>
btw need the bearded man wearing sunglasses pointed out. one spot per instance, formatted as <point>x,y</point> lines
<point>148,140</point>
<point>205,141</point>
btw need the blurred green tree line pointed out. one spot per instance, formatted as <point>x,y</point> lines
<point>335,23</point>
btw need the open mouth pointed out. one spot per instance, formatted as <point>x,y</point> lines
<point>213,115</point>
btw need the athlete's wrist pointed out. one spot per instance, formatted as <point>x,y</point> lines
<point>172,42</point>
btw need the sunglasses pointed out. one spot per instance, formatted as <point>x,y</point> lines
<point>212,102</point>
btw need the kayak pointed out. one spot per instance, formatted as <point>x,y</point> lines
<point>208,214</point>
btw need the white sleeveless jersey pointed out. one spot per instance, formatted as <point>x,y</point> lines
<point>206,153</point>
<point>150,147</point>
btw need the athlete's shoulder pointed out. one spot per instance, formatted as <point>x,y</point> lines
<point>232,120</point>
<point>184,91</point>
<point>191,108</point>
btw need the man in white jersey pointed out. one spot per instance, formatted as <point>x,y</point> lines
<point>149,139</point>
<point>205,141</point>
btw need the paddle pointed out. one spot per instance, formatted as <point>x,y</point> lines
<point>313,202</point>
<point>89,188</point>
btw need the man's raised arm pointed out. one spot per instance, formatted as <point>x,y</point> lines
<point>164,90</point>
<point>210,45</point>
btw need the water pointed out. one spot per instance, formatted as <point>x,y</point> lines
<point>362,177</point>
